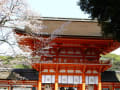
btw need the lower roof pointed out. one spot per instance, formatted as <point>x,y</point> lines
<point>110,76</point>
<point>31,74</point>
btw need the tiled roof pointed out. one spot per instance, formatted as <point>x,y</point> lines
<point>18,74</point>
<point>30,74</point>
<point>68,27</point>
<point>110,76</point>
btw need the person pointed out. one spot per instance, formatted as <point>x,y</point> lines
<point>70,88</point>
<point>62,88</point>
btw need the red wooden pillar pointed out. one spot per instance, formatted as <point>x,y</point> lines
<point>95,87</point>
<point>56,78</point>
<point>83,81</point>
<point>40,81</point>
<point>99,82</point>
<point>8,87</point>
<point>112,87</point>
<point>79,87</point>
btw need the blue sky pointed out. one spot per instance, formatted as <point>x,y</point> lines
<point>57,8</point>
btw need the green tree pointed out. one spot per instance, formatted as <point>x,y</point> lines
<point>115,61</point>
<point>18,61</point>
<point>107,12</point>
<point>21,66</point>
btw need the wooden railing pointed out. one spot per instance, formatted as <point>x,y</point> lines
<point>37,60</point>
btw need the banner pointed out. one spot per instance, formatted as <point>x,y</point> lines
<point>48,79</point>
<point>80,79</point>
<point>53,78</point>
<point>64,79</point>
<point>91,79</point>
<point>70,79</point>
<point>59,79</point>
<point>76,80</point>
<point>43,78</point>
<point>96,79</point>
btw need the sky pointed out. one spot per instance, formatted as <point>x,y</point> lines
<point>57,8</point>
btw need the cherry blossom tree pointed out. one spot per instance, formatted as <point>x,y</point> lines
<point>13,14</point>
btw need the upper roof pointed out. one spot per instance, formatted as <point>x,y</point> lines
<point>70,26</point>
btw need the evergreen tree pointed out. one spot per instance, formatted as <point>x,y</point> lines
<point>107,12</point>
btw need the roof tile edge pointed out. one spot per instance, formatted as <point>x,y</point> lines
<point>65,19</point>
